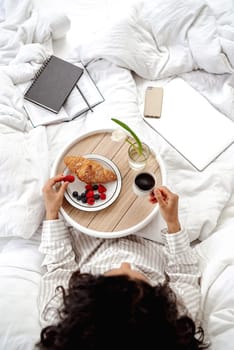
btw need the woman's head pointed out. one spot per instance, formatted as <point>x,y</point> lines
<point>113,312</point>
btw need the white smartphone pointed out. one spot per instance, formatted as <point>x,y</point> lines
<point>153,102</point>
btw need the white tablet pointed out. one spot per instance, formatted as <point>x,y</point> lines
<point>190,124</point>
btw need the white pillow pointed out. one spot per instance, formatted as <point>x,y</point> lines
<point>20,273</point>
<point>217,265</point>
<point>219,311</point>
<point>23,172</point>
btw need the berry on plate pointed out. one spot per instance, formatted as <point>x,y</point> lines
<point>90,200</point>
<point>103,196</point>
<point>101,188</point>
<point>69,178</point>
<point>89,194</point>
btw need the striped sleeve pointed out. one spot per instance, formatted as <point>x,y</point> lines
<point>183,271</point>
<point>59,263</point>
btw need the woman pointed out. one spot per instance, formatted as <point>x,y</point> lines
<point>126,292</point>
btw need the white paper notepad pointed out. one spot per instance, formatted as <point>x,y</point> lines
<point>191,125</point>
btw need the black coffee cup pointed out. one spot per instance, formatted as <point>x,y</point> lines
<point>143,183</point>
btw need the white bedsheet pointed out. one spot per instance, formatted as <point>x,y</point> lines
<point>206,199</point>
<point>168,39</point>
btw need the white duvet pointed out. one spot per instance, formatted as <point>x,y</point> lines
<point>162,38</point>
<point>156,40</point>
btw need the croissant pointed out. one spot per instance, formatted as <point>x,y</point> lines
<point>88,170</point>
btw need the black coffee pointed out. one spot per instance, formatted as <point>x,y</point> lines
<point>145,181</point>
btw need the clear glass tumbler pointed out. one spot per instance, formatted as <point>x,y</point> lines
<point>138,161</point>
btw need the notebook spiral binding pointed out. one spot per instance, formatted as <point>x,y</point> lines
<point>37,74</point>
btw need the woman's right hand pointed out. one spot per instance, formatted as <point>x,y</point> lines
<point>168,204</point>
<point>53,196</point>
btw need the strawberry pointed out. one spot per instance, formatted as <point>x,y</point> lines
<point>90,201</point>
<point>101,188</point>
<point>69,178</point>
<point>102,195</point>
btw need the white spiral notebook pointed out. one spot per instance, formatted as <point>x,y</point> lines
<point>82,98</point>
<point>190,124</point>
<point>53,83</point>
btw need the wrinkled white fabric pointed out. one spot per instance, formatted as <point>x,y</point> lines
<point>168,38</point>
<point>163,38</point>
<point>24,170</point>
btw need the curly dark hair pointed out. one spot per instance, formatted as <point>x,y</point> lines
<point>117,312</point>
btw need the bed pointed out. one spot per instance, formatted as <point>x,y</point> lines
<point>126,46</point>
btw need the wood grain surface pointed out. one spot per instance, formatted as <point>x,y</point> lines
<point>128,209</point>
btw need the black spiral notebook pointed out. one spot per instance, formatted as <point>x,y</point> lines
<point>53,83</point>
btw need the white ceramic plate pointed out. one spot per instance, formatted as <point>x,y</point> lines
<point>113,187</point>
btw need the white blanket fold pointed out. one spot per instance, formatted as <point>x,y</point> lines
<point>166,37</point>
<point>25,25</point>
<point>163,38</point>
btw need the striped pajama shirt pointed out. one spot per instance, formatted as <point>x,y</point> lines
<point>67,250</point>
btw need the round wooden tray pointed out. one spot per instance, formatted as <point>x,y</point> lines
<point>129,213</point>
